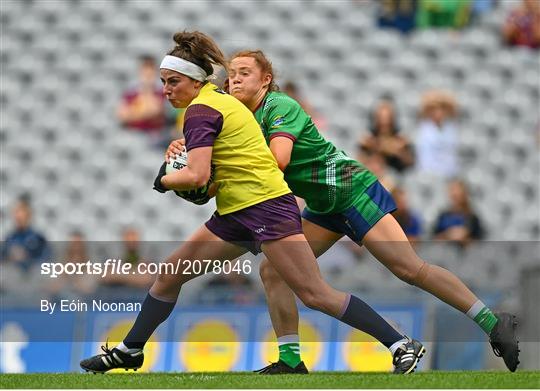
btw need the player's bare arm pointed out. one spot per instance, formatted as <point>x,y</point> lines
<point>281,148</point>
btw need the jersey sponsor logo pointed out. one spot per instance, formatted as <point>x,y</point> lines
<point>278,121</point>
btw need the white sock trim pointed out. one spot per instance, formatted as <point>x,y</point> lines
<point>397,344</point>
<point>124,349</point>
<point>291,338</point>
<point>475,309</point>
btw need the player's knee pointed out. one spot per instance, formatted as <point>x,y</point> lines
<point>165,288</point>
<point>168,282</point>
<point>411,273</point>
<point>312,298</point>
<point>403,273</point>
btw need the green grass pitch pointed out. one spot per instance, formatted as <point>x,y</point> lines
<point>471,379</point>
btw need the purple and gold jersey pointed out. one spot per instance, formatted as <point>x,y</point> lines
<point>245,170</point>
<point>325,177</point>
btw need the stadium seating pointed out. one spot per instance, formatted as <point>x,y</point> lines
<point>65,64</point>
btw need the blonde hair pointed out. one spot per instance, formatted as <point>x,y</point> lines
<point>438,98</point>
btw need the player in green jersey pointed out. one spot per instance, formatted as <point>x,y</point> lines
<point>256,210</point>
<point>342,198</point>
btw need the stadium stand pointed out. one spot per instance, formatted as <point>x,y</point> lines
<point>65,65</point>
<point>73,68</point>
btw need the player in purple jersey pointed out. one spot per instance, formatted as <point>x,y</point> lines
<point>256,210</point>
<point>342,198</point>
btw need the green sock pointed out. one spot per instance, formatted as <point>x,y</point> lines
<point>486,320</point>
<point>289,353</point>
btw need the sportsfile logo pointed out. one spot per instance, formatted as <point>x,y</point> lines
<point>119,267</point>
<point>109,267</point>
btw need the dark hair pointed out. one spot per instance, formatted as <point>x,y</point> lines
<point>76,232</point>
<point>262,62</point>
<point>25,199</point>
<point>403,217</point>
<point>198,48</point>
<point>466,203</point>
<point>147,59</point>
<point>373,126</point>
<point>291,86</point>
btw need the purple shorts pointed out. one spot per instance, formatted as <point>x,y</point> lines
<point>250,227</point>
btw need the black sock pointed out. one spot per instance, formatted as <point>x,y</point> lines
<point>153,313</point>
<point>362,317</point>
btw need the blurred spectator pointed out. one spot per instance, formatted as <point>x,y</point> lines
<point>24,246</point>
<point>291,89</point>
<point>231,288</point>
<point>76,249</point>
<point>481,7</point>
<point>73,285</point>
<point>408,219</point>
<point>131,242</point>
<point>131,239</point>
<point>385,139</point>
<point>143,106</point>
<point>377,165</point>
<point>397,14</point>
<point>522,27</point>
<point>437,139</point>
<point>442,13</point>
<point>342,258</point>
<point>458,222</point>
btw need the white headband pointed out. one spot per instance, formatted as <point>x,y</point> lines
<point>184,67</point>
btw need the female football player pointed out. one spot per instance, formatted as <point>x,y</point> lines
<point>255,210</point>
<point>342,198</point>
